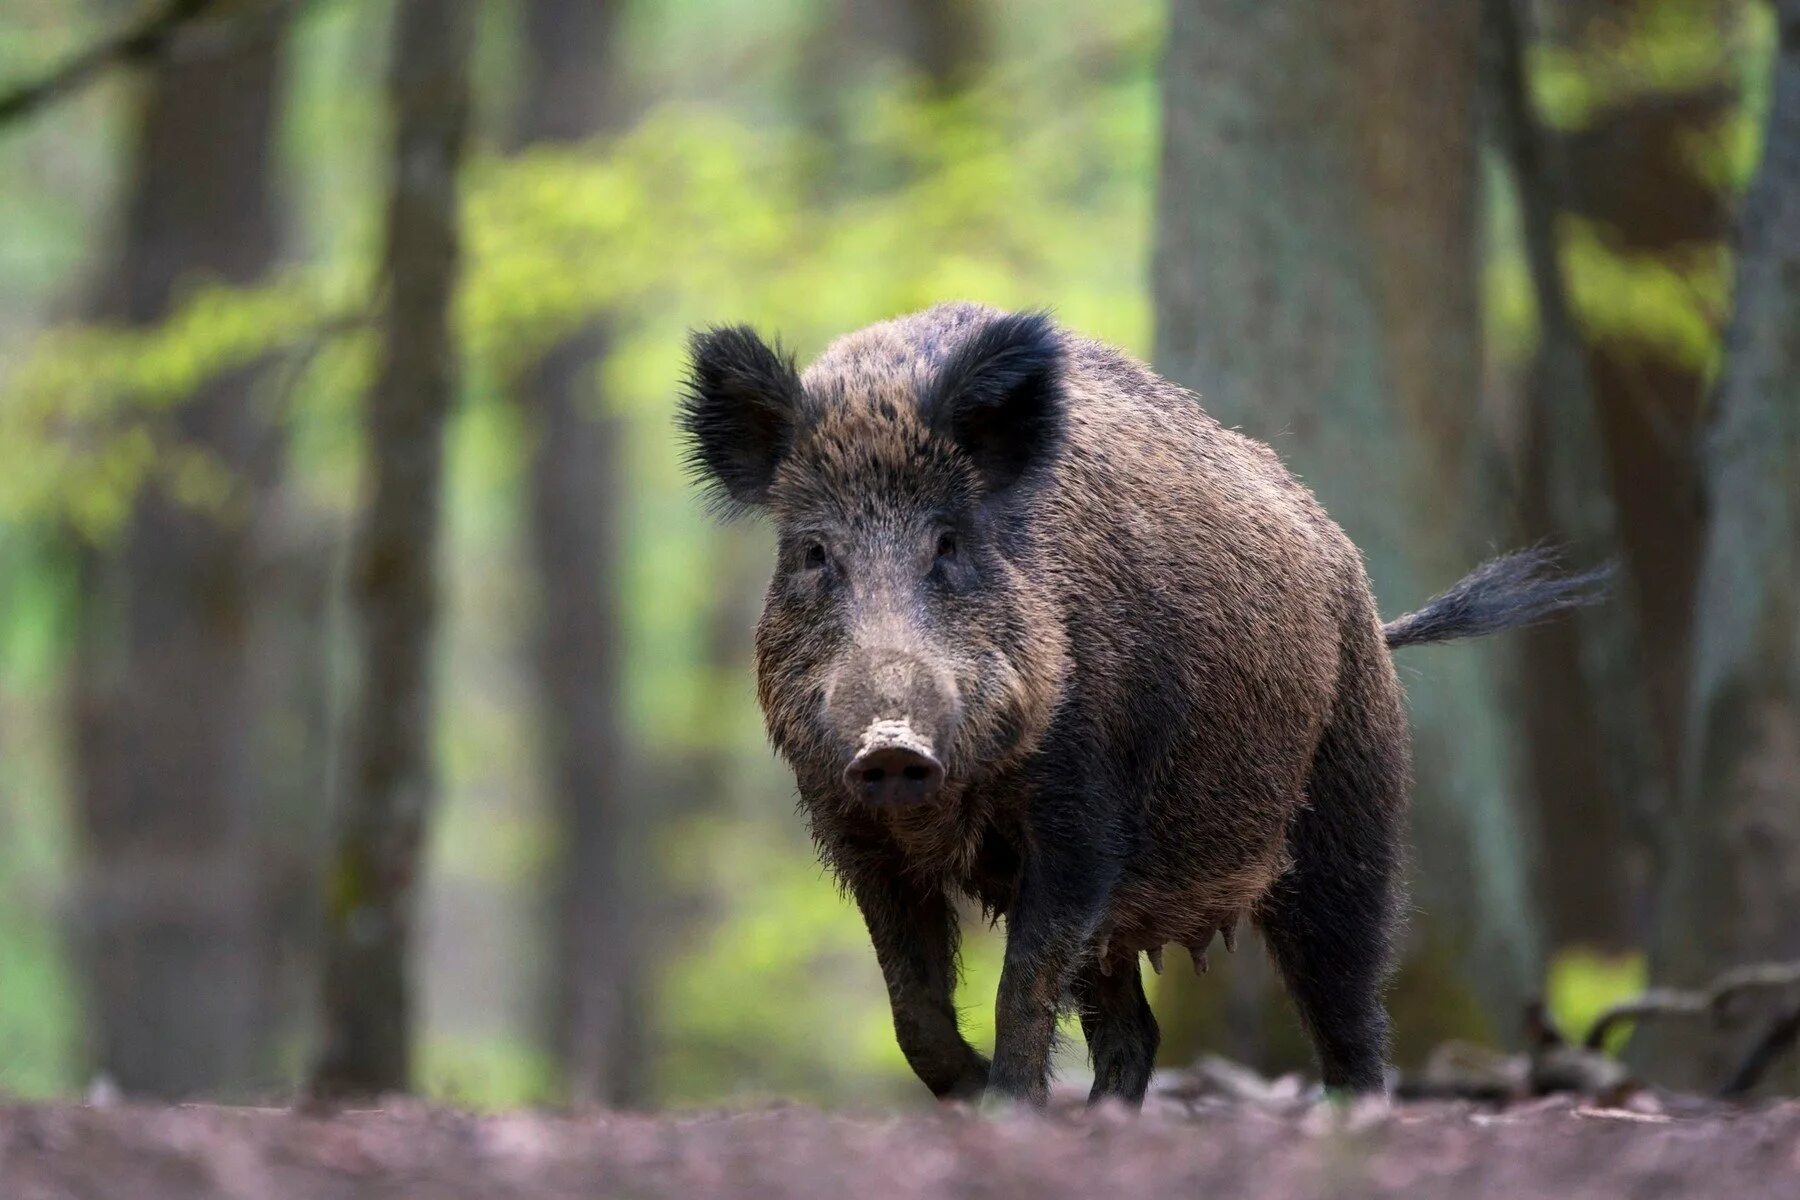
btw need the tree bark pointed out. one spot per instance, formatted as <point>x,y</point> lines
<point>1316,283</point>
<point>1732,881</point>
<point>375,867</point>
<point>163,696</point>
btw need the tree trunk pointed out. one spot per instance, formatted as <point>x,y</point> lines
<point>1628,168</point>
<point>944,40</point>
<point>601,879</point>
<point>1316,282</point>
<point>1586,758</point>
<point>298,614</point>
<point>163,696</point>
<point>598,1026</point>
<point>940,44</point>
<point>375,865</point>
<point>1732,883</point>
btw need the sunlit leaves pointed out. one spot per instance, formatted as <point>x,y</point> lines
<point>1677,305</point>
<point>690,217</point>
<point>88,417</point>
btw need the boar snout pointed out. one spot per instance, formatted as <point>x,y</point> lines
<point>895,715</point>
<point>892,771</point>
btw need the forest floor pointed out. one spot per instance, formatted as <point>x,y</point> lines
<point>1561,1147</point>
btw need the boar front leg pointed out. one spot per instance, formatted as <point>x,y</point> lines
<point>1063,892</point>
<point>915,936</point>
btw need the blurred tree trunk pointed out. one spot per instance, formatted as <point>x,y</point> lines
<point>1622,173</point>
<point>375,865</point>
<point>940,44</point>
<point>945,41</point>
<point>296,631</point>
<point>1316,279</point>
<point>1627,173</point>
<point>599,1025</point>
<point>1732,882</point>
<point>164,705</point>
<point>1585,757</point>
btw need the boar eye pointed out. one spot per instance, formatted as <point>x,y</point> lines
<point>813,556</point>
<point>946,544</point>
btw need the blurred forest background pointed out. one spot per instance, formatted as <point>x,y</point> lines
<point>361,639</point>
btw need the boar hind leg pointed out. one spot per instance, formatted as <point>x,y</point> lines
<point>1330,921</point>
<point>915,936</point>
<point>1121,1030</point>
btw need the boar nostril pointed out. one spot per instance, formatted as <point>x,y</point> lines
<point>894,775</point>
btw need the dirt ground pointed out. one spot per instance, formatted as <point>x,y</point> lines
<point>1562,1147</point>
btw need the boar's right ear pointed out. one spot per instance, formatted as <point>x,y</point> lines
<point>999,397</point>
<point>738,414</point>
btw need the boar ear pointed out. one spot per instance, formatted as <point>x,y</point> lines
<point>738,414</point>
<point>999,397</point>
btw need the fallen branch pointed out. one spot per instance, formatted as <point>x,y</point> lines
<point>144,40</point>
<point>1557,1065</point>
<point>1713,1002</point>
<point>1779,1037</point>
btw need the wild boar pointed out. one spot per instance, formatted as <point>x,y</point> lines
<point>1044,634</point>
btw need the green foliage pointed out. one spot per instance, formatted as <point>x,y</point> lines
<point>780,996</point>
<point>689,217</point>
<point>1679,310</point>
<point>484,1072</point>
<point>88,418</point>
<point>1638,57</point>
<point>1644,50</point>
<point>36,583</point>
<point>39,1026</point>
<point>39,1016</point>
<point>1584,983</point>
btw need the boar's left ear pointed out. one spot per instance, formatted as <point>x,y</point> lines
<point>738,415</point>
<point>999,397</point>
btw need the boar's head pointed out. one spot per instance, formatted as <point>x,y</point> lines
<point>908,646</point>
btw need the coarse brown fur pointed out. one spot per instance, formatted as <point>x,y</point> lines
<point>1166,698</point>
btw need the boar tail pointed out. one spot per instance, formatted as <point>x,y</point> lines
<point>1521,588</point>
